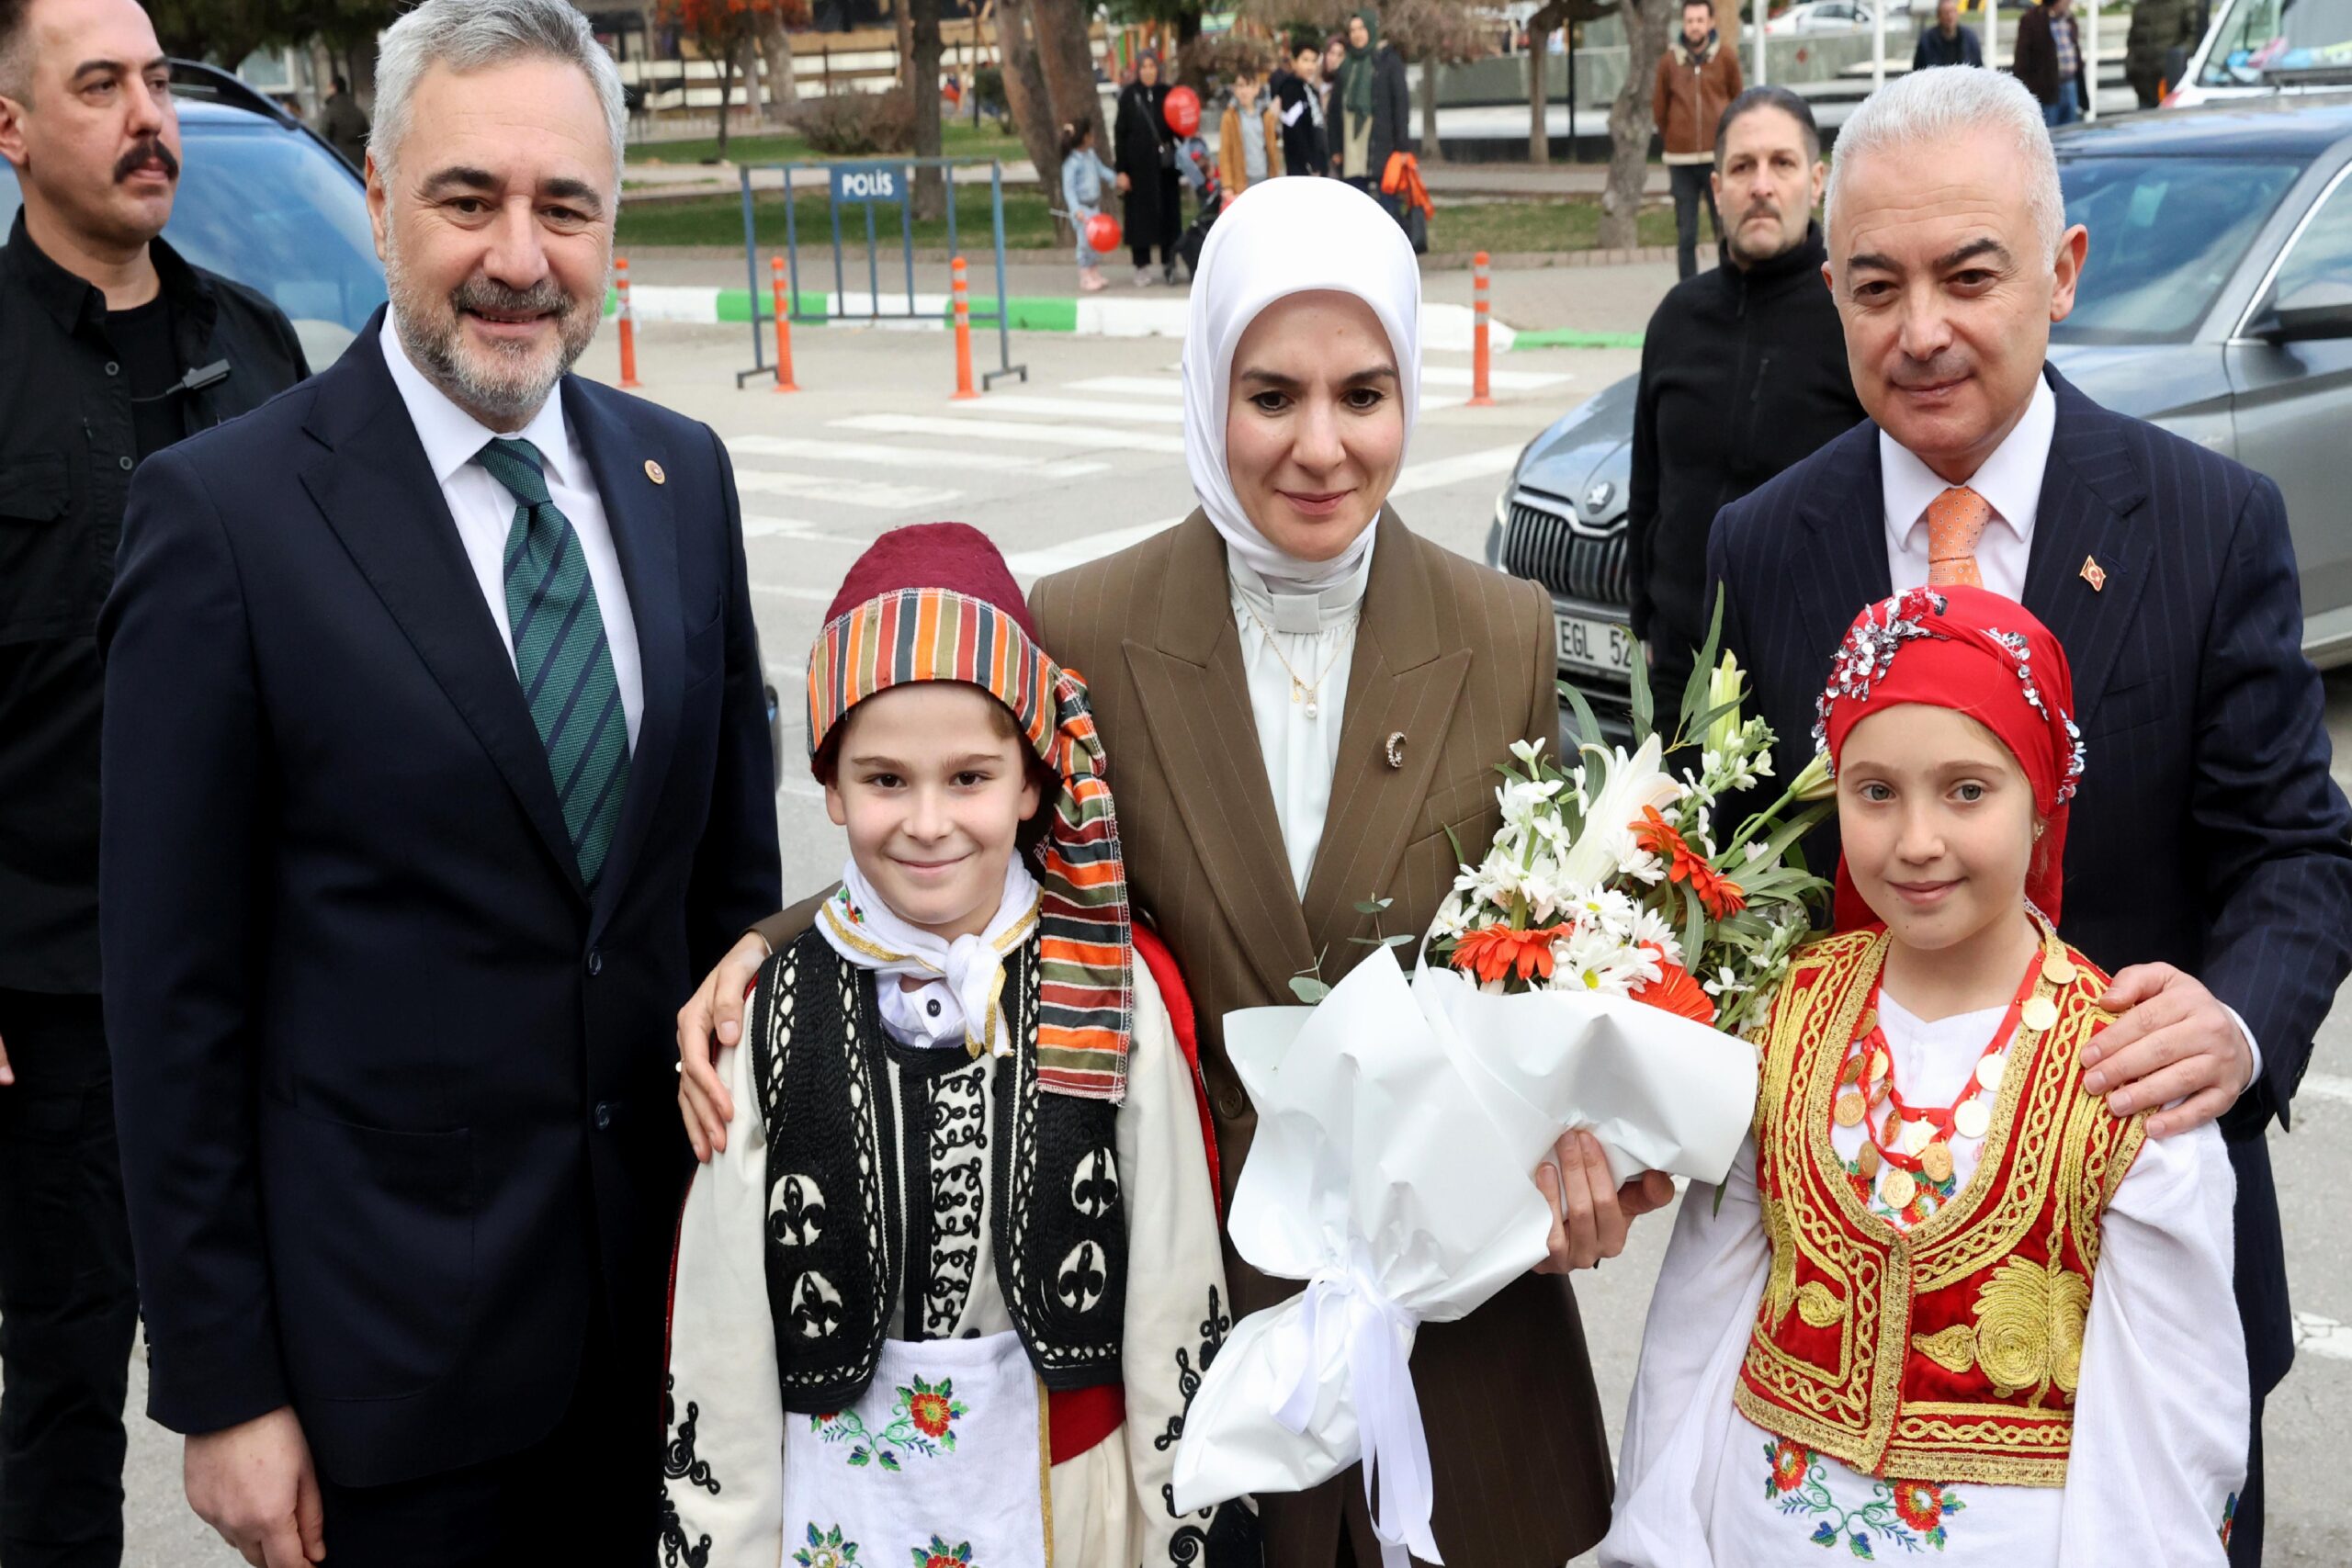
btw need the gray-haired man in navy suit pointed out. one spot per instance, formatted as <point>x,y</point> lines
<point>2208,863</point>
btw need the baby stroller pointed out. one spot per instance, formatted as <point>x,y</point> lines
<point>1198,171</point>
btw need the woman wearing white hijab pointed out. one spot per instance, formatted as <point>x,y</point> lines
<point>1300,698</point>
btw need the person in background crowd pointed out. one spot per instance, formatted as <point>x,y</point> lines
<point>1948,43</point>
<point>2159,28</point>
<point>2211,850</point>
<point>1743,374</point>
<point>111,348</point>
<point>435,763</point>
<point>2048,60</point>
<point>1335,55</point>
<point>1376,109</point>
<point>1299,97</point>
<point>343,124</point>
<point>1248,141</point>
<point>1143,150</point>
<point>1697,79</point>
<point>1084,174</point>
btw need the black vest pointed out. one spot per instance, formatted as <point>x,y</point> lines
<point>836,1243</point>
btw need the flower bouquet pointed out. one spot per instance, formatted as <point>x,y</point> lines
<point>1595,962</point>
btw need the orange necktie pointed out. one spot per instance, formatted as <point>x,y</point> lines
<point>1956,520</point>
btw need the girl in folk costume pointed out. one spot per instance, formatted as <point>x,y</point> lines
<point>964,1220</point>
<point>1945,1299</point>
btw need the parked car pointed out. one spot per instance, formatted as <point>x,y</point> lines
<point>263,201</point>
<point>2217,302</point>
<point>2259,48</point>
<point>1822,17</point>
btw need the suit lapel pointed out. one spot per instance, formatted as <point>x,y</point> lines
<point>2089,491</point>
<point>645,537</point>
<point>1842,566</point>
<point>1195,700</point>
<point>1395,678</point>
<point>378,492</point>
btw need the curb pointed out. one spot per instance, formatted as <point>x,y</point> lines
<point>1445,327</point>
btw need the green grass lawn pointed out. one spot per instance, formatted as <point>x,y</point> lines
<point>958,139</point>
<point>1569,223</point>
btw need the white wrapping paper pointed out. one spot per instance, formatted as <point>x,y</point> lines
<point>1400,1125</point>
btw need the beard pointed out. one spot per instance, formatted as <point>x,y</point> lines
<point>505,385</point>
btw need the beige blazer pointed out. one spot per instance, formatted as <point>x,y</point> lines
<point>1459,661</point>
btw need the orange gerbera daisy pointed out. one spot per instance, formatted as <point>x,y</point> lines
<point>1721,895</point>
<point>1494,952</point>
<point>1676,992</point>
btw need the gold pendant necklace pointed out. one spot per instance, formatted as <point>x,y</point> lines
<point>1302,692</point>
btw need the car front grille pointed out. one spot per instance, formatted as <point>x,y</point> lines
<point>1544,544</point>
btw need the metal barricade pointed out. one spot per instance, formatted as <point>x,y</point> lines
<point>866,184</point>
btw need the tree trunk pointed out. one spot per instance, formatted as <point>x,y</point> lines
<point>931,187</point>
<point>1432,151</point>
<point>776,47</point>
<point>1068,62</point>
<point>1630,126</point>
<point>726,90</point>
<point>1539,113</point>
<point>1024,94</point>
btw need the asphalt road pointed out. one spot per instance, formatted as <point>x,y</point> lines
<point>1084,458</point>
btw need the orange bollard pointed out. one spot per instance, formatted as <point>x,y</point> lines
<point>1481,355</point>
<point>783,328</point>
<point>628,327</point>
<point>963,337</point>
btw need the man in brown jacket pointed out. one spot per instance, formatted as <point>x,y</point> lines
<point>1697,79</point>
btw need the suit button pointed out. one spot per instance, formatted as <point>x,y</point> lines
<point>595,962</point>
<point>1232,1104</point>
<point>604,1115</point>
<point>124,463</point>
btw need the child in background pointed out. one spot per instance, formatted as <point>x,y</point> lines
<point>1083,175</point>
<point>1250,136</point>
<point>1945,1300</point>
<point>947,1291</point>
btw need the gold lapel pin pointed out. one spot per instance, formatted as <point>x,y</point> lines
<point>653,472</point>
<point>2094,574</point>
<point>1394,750</point>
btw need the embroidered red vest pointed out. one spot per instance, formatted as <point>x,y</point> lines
<point>1950,1351</point>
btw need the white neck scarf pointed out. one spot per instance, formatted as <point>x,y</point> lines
<point>1280,237</point>
<point>864,929</point>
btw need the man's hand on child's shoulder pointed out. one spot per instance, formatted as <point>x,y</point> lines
<point>713,1017</point>
<point>2175,1047</point>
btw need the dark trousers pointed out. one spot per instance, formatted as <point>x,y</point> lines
<point>2245,1527</point>
<point>68,1304</point>
<point>587,1495</point>
<point>1170,225</point>
<point>1692,186</point>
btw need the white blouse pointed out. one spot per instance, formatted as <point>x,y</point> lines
<point>2161,1411</point>
<point>1296,648</point>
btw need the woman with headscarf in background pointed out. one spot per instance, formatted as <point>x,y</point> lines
<point>1144,153</point>
<point>1374,108</point>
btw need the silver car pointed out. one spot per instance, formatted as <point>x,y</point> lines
<point>2217,302</point>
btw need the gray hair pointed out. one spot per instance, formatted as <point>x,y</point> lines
<point>1945,106</point>
<point>467,35</point>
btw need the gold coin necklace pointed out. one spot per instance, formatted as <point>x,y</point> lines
<point>1302,690</point>
<point>1910,1142</point>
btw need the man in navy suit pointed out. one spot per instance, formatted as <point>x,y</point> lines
<point>435,768</point>
<point>2207,865</point>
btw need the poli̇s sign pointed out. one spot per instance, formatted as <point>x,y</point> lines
<point>865,182</point>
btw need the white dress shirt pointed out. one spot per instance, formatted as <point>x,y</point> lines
<point>1310,638</point>
<point>2010,482</point>
<point>484,509</point>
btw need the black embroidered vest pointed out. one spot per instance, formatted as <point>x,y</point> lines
<point>836,1240</point>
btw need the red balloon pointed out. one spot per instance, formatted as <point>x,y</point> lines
<point>1184,110</point>
<point>1103,233</point>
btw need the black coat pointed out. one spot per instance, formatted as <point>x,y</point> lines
<point>1392,114</point>
<point>1141,145</point>
<point>2034,59</point>
<point>2208,834</point>
<point>1307,149</point>
<point>1933,49</point>
<point>1743,374</point>
<point>397,1095</point>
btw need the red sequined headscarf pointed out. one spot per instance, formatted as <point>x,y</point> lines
<point>1975,653</point>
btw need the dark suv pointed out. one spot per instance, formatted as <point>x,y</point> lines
<point>265,202</point>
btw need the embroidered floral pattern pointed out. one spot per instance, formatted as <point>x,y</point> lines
<point>679,1463</point>
<point>923,1422</point>
<point>941,1556</point>
<point>827,1550</point>
<point>1908,1513</point>
<point>1864,658</point>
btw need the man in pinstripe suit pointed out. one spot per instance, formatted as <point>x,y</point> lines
<point>2209,864</point>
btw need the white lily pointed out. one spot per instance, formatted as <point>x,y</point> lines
<point>1633,783</point>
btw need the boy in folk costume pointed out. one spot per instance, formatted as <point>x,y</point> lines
<point>1946,1299</point>
<point>965,1222</point>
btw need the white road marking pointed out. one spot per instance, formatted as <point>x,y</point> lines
<point>876,452</point>
<point>790,590</point>
<point>1058,435</point>
<point>1431,376</point>
<point>1439,472</point>
<point>2322,1335</point>
<point>2327,1086</point>
<point>756,527</point>
<point>1083,408</point>
<point>1131,385</point>
<point>872,494</point>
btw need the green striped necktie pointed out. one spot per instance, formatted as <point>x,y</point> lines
<point>561,657</point>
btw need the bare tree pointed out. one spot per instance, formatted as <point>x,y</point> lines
<point>775,48</point>
<point>1025,90</point>
<point>1554,15</point>
<point>1630,126</point>
<point>1066,54</point>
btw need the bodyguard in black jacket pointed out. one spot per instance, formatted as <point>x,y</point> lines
<point>1743,373</point>
<point>111,348</point>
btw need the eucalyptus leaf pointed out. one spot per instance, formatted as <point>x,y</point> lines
<point>1588,725</point>
<point>1308,989</point>
<point>1645,708</point>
